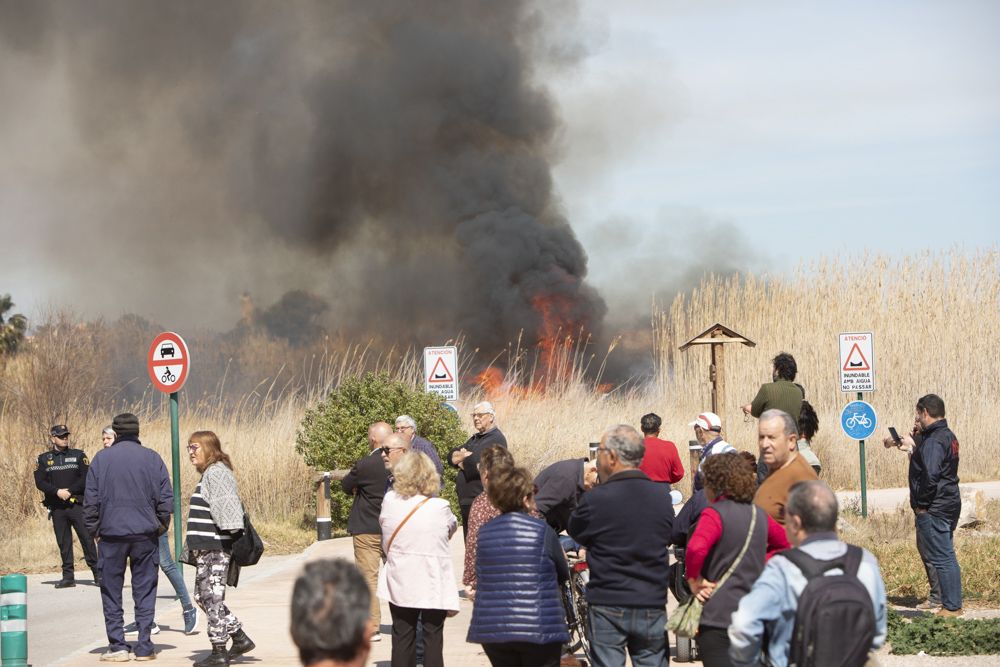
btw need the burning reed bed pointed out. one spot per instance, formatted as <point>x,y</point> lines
<point>935,317</point>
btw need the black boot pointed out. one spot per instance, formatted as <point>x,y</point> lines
<point>97,576</point>
<point>241,644</point>
<point>219,656</point>
<point>65,582</point>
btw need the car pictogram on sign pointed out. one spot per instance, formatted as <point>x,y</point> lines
<point>167,350</point>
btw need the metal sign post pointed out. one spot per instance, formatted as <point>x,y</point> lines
<point>857,373</point>
<point>859,421</point>
<point>169,363</point>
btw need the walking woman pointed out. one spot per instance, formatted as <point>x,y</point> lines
<point>518,614</point>
<point>215,516</point>
<point>418,578</point>
<point>727,551</point>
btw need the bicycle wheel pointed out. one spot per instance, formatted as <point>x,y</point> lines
<point>572,621</point>
<point>684,652</point>
<point>582,612</point>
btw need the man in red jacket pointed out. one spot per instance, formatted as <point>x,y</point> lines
<point>661,462</point>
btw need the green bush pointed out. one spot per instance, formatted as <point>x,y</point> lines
<point>943,636</point>
<point>334,434</point>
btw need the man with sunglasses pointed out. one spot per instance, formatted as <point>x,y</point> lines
<point>61,474</point>
<point>367,483</point>
<point>468,484</point>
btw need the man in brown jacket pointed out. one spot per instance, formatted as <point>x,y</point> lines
<point>777,438</point>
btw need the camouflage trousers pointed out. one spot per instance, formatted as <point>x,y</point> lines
<point>210,594</point>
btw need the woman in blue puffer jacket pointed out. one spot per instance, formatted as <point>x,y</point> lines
<point>518,614</point>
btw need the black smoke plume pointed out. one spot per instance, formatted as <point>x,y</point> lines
<point>392,157</point>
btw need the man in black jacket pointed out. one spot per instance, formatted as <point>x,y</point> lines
<point>468,484</point>
<point>935,498</point>
<point>61,474</point>
<point>560,486</point>
<point>625,525</point>
<point>367,482</point>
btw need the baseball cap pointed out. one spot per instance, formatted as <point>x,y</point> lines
<point>59,431</point>
<point>708,421</point>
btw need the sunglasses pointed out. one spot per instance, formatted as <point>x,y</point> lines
<point>387,450</point>
<point>193,448</point>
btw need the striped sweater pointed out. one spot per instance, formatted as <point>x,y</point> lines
<point>215,510</point>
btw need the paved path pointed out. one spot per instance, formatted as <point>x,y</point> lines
<point>261,602</point>
<point>890,499</point>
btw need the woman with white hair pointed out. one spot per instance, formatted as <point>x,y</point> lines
<point>418,579</point>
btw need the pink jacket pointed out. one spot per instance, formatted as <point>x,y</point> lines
<point>418,571</point>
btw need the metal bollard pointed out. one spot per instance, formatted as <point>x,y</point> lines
<point>14,620</point>
<point>323,523</point>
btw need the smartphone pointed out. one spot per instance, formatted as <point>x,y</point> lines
<point>895,436</point>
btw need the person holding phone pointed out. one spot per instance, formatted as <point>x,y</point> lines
<point>935,499</point>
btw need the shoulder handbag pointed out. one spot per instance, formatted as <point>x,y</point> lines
<point>247,547</point>
<point>686,618</point>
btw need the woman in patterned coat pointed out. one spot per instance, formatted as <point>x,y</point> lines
<point>215,517</point>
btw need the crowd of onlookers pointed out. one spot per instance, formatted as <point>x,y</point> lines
<point>758,566</point>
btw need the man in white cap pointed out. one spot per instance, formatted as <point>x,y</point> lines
<point>708,431</point>
<point>468,484</point>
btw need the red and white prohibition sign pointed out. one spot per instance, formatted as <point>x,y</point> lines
<point>168,362</point>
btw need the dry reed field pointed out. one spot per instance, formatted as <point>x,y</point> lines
<point>935,318</point>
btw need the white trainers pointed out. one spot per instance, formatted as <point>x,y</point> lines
<point>132,629</point>
<point>115,656</point>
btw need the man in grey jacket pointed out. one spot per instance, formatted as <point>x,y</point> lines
<point>126,506</point>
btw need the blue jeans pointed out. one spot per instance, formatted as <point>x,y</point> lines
<point>934,597</point>
<point>569,544</point>
<point>637,629</point>
<point>936,535</point>
<point>169,568</point>
<point>141,558</point>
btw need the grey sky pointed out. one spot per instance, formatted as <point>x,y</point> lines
<point>761,132</point>
<point>812,129</point>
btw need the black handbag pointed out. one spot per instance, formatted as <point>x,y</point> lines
<point>247,547</point>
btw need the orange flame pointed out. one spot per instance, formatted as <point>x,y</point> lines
<point>555,335</point>
<point>491,380</point>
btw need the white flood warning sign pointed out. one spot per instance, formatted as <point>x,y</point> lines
<point>857,362</point>
<point>441,371</point>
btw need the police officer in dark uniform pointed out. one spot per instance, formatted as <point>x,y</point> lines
<point>61,474</point>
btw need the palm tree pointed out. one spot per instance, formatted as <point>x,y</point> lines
<point>12,328</point>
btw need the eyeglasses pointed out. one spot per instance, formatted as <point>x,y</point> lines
<point>403,428</point>
<point>193,447</point>
<point>388,450</point>
<point>480,415</point>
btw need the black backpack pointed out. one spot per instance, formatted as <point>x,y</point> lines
<point>835,620</point>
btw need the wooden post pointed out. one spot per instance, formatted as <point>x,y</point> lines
<point>324,522</point>
<point>324,529</point>
<point>716,336</point>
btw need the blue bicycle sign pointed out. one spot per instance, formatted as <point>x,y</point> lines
<point>858,420</point>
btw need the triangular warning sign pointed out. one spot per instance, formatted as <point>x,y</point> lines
<point>856,360</point>
<point>440,372</point>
